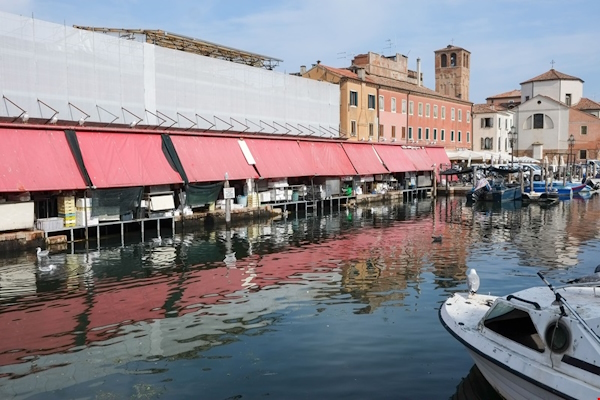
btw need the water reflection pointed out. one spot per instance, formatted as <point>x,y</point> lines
<point>360,288</point>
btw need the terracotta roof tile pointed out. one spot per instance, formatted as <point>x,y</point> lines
<point>393,83</point>
<point>345,72</point>
<point>587,104</point>
<point>487,108</point>
<point>553,75</point>
<point>452,47</point>
<point>512,93</point>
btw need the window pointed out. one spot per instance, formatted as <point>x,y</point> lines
<point>435,109</point>
<point>371,100</point>
<point>403,132</point>
<point>453,60</point>
<point>452,113</point>
<point>499,143</point>
<point>468,137</point>
<point>353,98</point>
<point>444,60</point>
<point>403,106</point>
<point>381,131</point>
<point>443,112</point>
<point>420,134</point>
<point>468,116</point>
<point>411,107</point>
<point>568,99</point>
<point>538,121</point>
<point>505,144</point>
<point>420,109</point>
<point>487,143</point>
<point>381,104</point>
<point>582,154</point>
<point>459,136</point>
<point>434,134</point>
<point>352,128</point>
<point>442,135</point>
<point>516,325</point>
<point>487,122</point>
<point>452,136</point>
<point>393,104</point>
<point>370,130</point>
<point>410,132</point>
<point>526,98</point>
<point>460,115</point>
<point>506,124</point>
<point>583,130</point>
<point>393,131</point>
<point>427,110</point>
<point>499,122</point>
<point>426,133</point>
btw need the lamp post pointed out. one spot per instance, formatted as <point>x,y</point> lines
<point>512,138</point>
<point>571,142</point>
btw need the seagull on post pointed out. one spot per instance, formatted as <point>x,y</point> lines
<point>41,253</point>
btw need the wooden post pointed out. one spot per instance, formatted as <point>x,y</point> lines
<point>434,181</point>
<point>227,202</point>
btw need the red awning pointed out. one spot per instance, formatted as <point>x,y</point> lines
<point>439,157</point>
<point>329,159</point>
<point>394,158</point>
<point>207,159</point>
<point>364,159</point>
<point>419,158</point>
<point>279,158</point>
<point>35,160</point>
<point>125,159</point>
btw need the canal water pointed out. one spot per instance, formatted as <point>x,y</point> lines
<point>342,306</point>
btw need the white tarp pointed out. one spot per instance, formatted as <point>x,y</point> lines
<point>47,67</point>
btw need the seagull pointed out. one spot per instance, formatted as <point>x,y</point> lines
<point>437,239</point>
<point>595,277</point>
<point>41,253</point>
<point>472,281</point>
<point>47,268</point>
<point>157,240</point>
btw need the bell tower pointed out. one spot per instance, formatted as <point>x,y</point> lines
<point>452,72</point>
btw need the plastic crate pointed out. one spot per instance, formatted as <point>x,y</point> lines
<point>50,224</point>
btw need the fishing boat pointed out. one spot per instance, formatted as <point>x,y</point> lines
<point>496,191</point>
<point>538,343</point>
<point>567,189</point>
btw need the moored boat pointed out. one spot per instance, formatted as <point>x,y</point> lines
<point>532,344</point>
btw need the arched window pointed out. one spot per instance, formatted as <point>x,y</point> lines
<point>453,60</point>
<point>444,60</point>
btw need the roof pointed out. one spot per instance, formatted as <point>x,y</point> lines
<point>190,45</point>
<point>488,108</point>
<point>512,93</point>
<point>452,47</point>
<point>552,75</point>
<point>341,72</point>
<point>587,104</point>
<point>392,83</point>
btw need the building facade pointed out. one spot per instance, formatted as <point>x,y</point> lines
<point>382,100</point>
<point>552,109</point>
<point>452,72</point>
<point>491,125</point>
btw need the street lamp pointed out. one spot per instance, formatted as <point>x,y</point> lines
<point>571,142</point>
<point>512,138</point>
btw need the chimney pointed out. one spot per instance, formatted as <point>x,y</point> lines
<point>360,72</point>
<point>418,72</point>
<point>302,69</point>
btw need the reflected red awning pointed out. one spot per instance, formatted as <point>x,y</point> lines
<point>279,158</point>
<point>125,159</point>
<point>419,158</point>
<point>329,159</point>
<point>394,158</point>
<point>35,160</point>
<point>364,159</point>
<point>439,157</point>
<point>207,159</point>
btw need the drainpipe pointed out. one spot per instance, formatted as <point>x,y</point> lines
<point>407,113</point>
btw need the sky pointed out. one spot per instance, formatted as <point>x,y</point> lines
<point>510,41</point>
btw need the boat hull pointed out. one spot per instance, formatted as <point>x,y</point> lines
<point>515,371</point>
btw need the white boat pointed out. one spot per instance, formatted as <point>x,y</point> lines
<point>538,343</point>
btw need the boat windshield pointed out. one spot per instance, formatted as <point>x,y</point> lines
<point>513,324</point>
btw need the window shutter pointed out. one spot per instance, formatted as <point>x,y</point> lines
<point>491,122</point>
<point>482,146</point>
<point>483,122</point>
